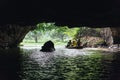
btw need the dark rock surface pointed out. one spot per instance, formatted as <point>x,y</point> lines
<point>93,13</point>
<point>48,46</point>
<point>12,35</point>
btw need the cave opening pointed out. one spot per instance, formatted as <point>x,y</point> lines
<point>28,62</point>
<point>49,31</point>
<point>20,40</point>
<point>63,64</point>
<point>60,35</point>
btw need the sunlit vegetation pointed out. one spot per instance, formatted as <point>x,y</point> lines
<point>49,31</point>
<point>60,35</point>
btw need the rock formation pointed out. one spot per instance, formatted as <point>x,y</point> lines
<point>48,46</point>
<point>106,34</point>
<point>116,35</point>
<point>12,35</point>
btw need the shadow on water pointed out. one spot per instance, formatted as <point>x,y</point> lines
<point>115,73</point>
<point>10,64</point>
<point>31,64</point>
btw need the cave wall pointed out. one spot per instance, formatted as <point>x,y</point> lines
<point>111,35</point>
<point>63,12</point>
<point>116,35</point>
<point>12,35</point>
<point>106,34</point>
<point>94,13</point>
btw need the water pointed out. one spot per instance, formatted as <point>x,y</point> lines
<point>63,64</point>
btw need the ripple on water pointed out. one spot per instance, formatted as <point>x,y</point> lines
<point>69,63</point>
<point>44,57</point>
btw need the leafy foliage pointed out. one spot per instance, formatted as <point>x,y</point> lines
<point>48,31</point>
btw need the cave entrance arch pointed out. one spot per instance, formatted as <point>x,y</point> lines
<point>12,35</point>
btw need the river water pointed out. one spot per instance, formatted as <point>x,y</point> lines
<point>29,63</point>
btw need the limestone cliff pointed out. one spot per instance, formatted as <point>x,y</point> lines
<point>106,34</point>
<point>116,35</point>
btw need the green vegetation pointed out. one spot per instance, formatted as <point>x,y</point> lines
<point>60,35</point>
<point>49,31</point>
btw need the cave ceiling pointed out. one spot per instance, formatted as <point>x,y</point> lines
<point>94,13</point>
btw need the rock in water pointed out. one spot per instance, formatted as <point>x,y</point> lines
<point>48,46</point>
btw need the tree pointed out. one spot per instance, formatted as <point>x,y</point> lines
<point>47,31</point>
<point>41,29</point>
<point>35,32</point>
<point>60,32</point>
<point>71,32</point>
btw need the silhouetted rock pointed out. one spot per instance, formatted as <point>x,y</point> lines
<point>48,46</point>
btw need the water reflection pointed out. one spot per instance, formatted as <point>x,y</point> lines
<point>63,64</point>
